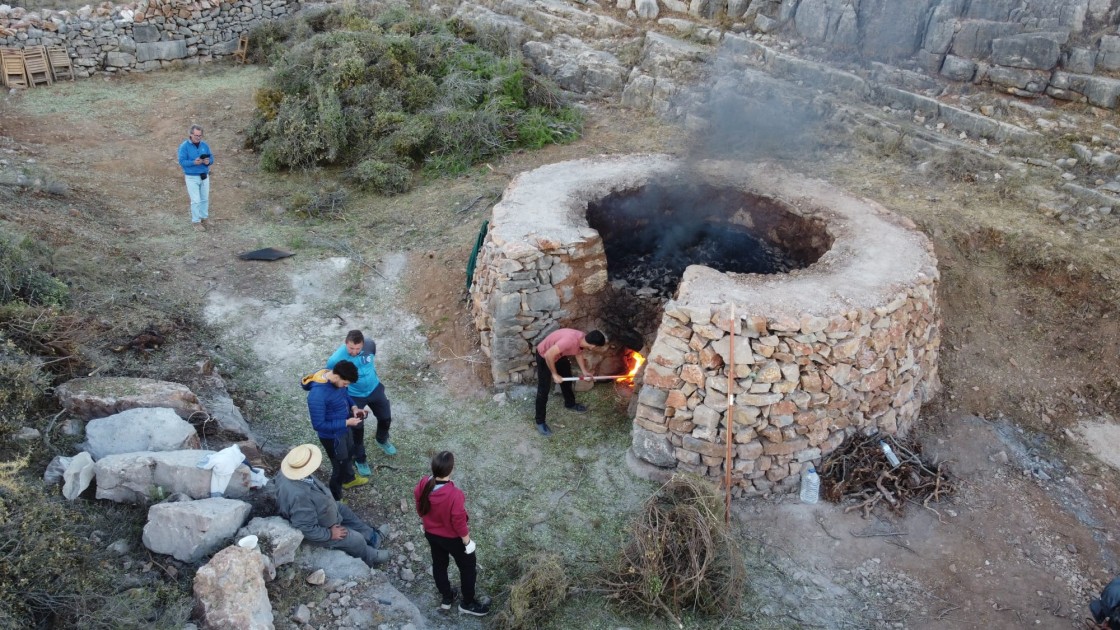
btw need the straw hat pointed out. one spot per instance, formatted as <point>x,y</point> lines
<point>301,461</point>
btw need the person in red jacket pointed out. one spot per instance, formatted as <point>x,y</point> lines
<point>441,507</point>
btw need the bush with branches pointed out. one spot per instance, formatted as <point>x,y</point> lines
<point>390,93</point>
<point>680,556</point>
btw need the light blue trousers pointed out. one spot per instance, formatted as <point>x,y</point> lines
<point>199,191</point>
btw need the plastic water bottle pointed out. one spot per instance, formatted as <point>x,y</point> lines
<point>889,452</point>
<point>810,486</point>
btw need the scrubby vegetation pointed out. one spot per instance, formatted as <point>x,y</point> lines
<point>54,564</point>
<point>57,572</point>
<point>390,94</point>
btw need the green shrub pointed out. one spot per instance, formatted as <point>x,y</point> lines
<point>22,384</point>
<point>398,92</point>
<point>536,128</point>
<point>21,280</point>
<point>387,178</point>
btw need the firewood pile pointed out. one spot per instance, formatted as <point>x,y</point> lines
<point>859,473</point>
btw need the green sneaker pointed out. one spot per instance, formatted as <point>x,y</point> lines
<point>363,468</point>
<point>387,447</point>
<point>358,480</point>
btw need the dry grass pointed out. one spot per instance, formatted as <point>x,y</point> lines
<point>537,594</point>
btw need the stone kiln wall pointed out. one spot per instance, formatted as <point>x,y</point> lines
<point>849,343</point>
<point>142,36</point>
<point>523,291</point>
<point>802,384</point>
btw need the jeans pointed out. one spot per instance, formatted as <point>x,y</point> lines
<point>342,471</point>
<point>359,542</point>
<point>443,549</point>
<point>378,403</point>
<point>544,384</point>
<point>199,191</point>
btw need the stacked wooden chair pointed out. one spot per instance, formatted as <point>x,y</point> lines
<point>242,48</point>
<point>36,66</point>
<point>14,74</point>
<point>61,67</point>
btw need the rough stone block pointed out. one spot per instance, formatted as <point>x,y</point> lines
<point>958,68</point>
<point>653,448</point>
<point>1034,51</point>
<point>703,447</point>
<point>278,539</point>
<point>189,530</point>
<point>97,397</point>
<point>1108,55</point>
<point>145,33</point>
<point>162,51</point>
<point>786,447</point>
<point>137,430</point>
<point>1080,60</point>
<point>140,477</point>
<point>230,591</point>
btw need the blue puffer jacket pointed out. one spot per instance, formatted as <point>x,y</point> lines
<point>329,407</point>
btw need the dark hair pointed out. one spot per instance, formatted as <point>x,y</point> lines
<point>596,338</point>
<point>355,336</point>
<point>346,371</point>
<point>442,465</point>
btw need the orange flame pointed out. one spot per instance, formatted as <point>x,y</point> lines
<point>635,361</point>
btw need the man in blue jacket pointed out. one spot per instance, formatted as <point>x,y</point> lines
<point>332,414</point>
<point>195,158</point>
<point>367,390</point>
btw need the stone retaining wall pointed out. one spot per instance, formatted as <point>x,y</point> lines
<point>143,36</point>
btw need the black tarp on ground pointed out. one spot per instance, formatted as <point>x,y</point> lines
<point>269,253</point>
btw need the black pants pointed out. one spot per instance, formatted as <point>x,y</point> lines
<point>442,550</point>
<point>379,405</point>
<point>342,470</point>
<point>544,384</point>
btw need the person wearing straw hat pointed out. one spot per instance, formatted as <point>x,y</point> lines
<point>308,505</point>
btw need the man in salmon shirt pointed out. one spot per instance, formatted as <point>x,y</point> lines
<point>553,366</point>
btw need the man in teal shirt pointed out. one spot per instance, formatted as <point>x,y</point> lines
<point>366,391</point>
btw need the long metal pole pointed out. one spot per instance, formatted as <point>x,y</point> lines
<point>730,433</point>
<point>594,378</point>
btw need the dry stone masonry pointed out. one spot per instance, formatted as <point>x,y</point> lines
<point>849,343</point>
<point>144,35</point>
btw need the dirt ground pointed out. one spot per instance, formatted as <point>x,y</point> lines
<point>1026,418</point>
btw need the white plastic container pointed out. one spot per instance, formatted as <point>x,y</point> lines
<point>889,452</point>
<point>810,486</point>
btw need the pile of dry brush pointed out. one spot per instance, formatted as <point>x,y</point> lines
<point>681,556</point>
<point>859,471</point>
<point>537,594</point>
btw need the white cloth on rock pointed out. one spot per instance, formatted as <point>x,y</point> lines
<point>221,465</point>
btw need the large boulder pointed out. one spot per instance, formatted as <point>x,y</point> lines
<point>229,591</point>
<point>189,530</point>
<point>135,430</point>
<point>97,397</point>
<point>278,539</point>
<point>141,477</point>
<point>79,472</point>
